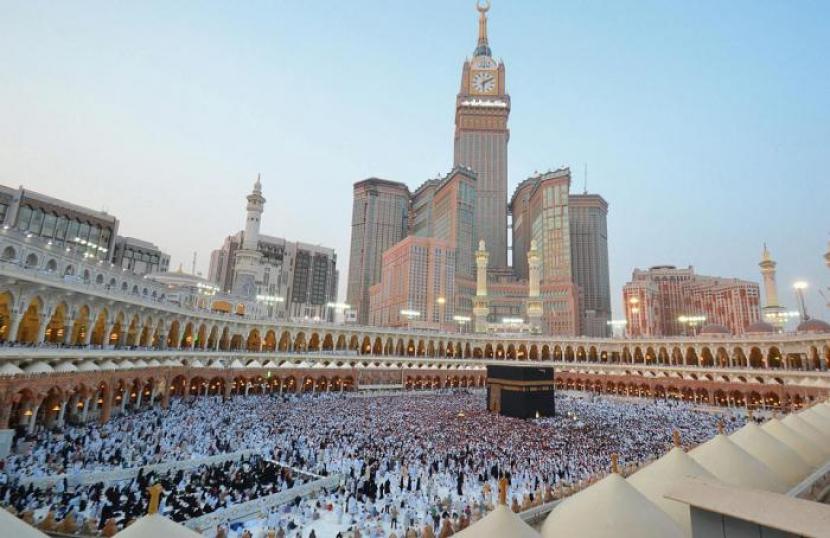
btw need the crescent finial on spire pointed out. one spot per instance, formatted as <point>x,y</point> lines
<point>483,7</point>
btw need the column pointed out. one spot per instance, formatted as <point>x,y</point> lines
<point>85,413</point>
<point>88,336</point>
<point>5,412</point>
<point>162,340</point>
<point>125,395</point>
<point>106,407</point>
<point>138,398</point>
<point>41,329</point>
<point>247,387</point>
<point>14,326</point>
<point>33,418</point>
<point>67,333</point>
<point>62,412</point>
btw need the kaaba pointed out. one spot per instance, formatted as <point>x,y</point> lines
<point>519,391</point>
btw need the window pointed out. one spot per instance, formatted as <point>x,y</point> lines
<point>23,218</point>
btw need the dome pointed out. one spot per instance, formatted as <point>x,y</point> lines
<point>813,326</point>
<point>816,420</point>
<point>715,329</point>
<point>733,466</point>
<point>611,508</point>
<point>500,522</point>
<point>760,327</point>
<point>156,525</point>
<point>783,460</point>
<point>655,479</point>
<point>802,446</point>
<point>801,426</point>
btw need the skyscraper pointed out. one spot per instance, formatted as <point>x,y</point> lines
<point>589,260</point>
<point>481,112</point>
<point>380,214</point>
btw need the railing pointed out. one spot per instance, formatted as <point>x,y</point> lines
<point>258,507</point>
<point>117,475</point>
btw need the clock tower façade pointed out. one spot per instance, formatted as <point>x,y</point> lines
<point>481,111</point>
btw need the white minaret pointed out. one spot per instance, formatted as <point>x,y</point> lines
<point>248,258</point>
<point>256,205</point>
<point>480,303</point>
<point>772,311</point>
<point>535,307</point>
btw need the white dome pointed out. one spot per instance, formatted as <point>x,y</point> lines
<point>500,522</point>
<point>657,478</point>
<point>66,367</point>
<point>783,460</point>
<point>156,526</point>
<point>88,366</point>
<point>38,368</point>
<point>11,525</point>
<point>816,420</point>
<point>9,368</point>
<point>195,364</point>
<point>733,466</point>
<point>799,425</point>
<point>236,363</point>
<point>802,446</point>
<point>611,508</point>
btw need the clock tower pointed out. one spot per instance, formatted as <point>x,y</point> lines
<point>481,111</point>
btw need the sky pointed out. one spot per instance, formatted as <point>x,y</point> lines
<point>705,125</point>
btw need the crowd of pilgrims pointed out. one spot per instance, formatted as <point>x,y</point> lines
<point>411,464</point>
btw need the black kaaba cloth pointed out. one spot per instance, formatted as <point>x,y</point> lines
<point>520,391</point>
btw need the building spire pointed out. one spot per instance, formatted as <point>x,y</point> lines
<point>483,47</point>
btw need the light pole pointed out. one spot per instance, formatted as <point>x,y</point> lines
<point>617,326</point>
<point>270,301</point>
<point>410,315</point>
<point>462,322</point>
<point>441,302</point>
<point>634,308</point>
<point>337,307</point>
<point>799,288</point>
<point>692,321</point>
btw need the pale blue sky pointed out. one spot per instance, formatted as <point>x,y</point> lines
<point>706,125</point>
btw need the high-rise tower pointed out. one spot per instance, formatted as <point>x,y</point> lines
<point>481,135</point>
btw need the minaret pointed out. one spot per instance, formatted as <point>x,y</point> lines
<point>480,303</point>
<point>247,266</point>
<point>535,306</point>
<point>256,205</point>
<point>772,310</point>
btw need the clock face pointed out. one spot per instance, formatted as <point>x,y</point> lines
<point>484,82</point>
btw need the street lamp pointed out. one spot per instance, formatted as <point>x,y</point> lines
<point>617,326</point>
<point>338,307</point>
<point>634,308</point>
<point>441,301</point>
<point>692,321</point>
<point>462,321</point>
<point>270,301</point>
<point>799,287</point>
<point>410,315</point>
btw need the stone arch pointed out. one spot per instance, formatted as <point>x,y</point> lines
<point>756,358</point>
<point>253,342</point>
<point>31,261</point>
<point>57,323</point>
<point>774,358</point>
<point>9,254</point>
<point>6,307</point>
<point>314,342</point>
<point>285,342</point>
<point>28,330</point>
<point>706,358</point>
<point>691,357</point>
<point>270,342</point>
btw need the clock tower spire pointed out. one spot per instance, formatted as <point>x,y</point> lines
<point>483,48</point>
<point>481,111</point>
